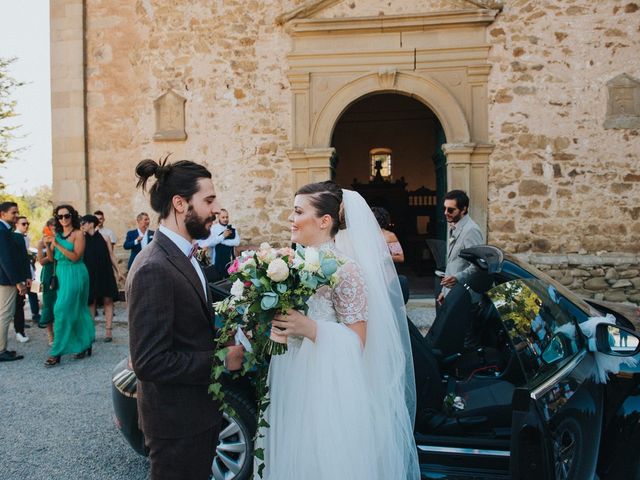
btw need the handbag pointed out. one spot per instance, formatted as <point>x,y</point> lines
<point>53,282</point>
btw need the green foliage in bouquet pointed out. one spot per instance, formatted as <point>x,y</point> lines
<point>266,282</point>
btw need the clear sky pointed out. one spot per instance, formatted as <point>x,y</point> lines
<point>24,33</point>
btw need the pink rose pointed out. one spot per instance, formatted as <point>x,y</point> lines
<point>233,268</point>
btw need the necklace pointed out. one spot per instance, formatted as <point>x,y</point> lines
<point>67,235</point>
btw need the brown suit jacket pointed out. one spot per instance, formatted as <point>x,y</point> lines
<point>171,335</point>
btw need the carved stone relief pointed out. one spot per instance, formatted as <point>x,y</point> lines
<point>169,109</point>
<point>623,106</point>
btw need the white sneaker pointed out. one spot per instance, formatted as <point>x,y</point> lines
<point>22,338</point>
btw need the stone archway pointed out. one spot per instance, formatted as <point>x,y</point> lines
<point>422,88</point>
<point>447,72</point>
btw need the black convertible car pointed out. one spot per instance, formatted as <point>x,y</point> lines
<point>505,385</point>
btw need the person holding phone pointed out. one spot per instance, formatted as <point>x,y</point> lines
<point>221,243</point>
<point>463,233</point>
<point>48,294</point>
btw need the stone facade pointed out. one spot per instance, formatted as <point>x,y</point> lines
<point>558,180</point>
<point>545,174</point>
<point>607,276</point>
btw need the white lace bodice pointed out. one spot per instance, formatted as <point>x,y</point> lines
<point>345,303</point>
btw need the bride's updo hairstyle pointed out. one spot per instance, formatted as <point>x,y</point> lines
<point>179,178</point>
<point>326,198</point>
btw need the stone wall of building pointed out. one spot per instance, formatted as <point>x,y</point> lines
<point>607,276</point>
<point>227,59</point>
<point>559,181</point>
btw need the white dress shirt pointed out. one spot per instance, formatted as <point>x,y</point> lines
<point>216,237</point>
<point>145,238</point>
<point>185,247</point>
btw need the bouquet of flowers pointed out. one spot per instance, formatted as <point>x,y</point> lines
<point>266,282</point>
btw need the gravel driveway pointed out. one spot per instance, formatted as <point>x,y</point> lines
<point>57,423</point>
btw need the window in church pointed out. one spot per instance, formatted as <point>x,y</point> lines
<point>380,159</point>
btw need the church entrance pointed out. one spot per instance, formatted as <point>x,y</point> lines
<point>388,147</point>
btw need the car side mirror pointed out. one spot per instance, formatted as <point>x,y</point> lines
<point>616,340</point>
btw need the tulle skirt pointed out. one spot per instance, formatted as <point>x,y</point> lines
<point>320,415</point>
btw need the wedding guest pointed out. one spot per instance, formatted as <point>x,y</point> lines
<point>107,233</point>
<point>384,220</point>
<point>73,329</point>
<point>221,242</point>
<point>393,244</point>
<point>22,226</point>
<point>11,281</point>
<point>171,325</point>
<point>463,233</point>
<point>101,264</point>
<point>138,238</point>
<point>48,294</point>
<point>24,264</point>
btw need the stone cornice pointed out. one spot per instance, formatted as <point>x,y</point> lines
<point>410,22</point>
<point>311,8</point>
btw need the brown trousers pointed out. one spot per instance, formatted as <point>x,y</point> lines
<point>188,458</point>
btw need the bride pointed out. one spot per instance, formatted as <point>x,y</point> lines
<point>342,398</point>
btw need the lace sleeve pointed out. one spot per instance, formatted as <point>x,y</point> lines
<point>350,295</point>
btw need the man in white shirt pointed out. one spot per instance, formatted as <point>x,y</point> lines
<point>221,242</point>
<point>107,233</point>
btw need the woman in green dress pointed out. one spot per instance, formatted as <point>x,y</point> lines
<point>73,329</point>
<point>48,293</point>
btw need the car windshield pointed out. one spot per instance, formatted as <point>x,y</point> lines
<point>517,268</point>
<point>541,324</point>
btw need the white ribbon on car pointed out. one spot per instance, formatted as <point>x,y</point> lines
<point>604,364</point>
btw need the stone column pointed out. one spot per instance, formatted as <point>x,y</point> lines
<point>300,107</point>
<point>467,169</point>
<point>68,103</point>
<point>310,165</point>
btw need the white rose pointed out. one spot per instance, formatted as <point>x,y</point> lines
<point>237,289</point>
<point>311,259</point>
<point>250,263</point>
<point>265,246</point>
<point>278,270</point>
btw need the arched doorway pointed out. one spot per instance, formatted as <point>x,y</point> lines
<point>388,147</point>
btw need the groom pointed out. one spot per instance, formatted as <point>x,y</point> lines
<point>171,325</point>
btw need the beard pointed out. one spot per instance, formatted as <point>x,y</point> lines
<point>196,225</point>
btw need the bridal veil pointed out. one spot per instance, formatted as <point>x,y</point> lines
<point>388,362</point>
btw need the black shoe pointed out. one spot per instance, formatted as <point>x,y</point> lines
<point>26,325</point>
<point>7,356</point>
<point>81,355</point>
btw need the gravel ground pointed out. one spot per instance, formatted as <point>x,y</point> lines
<point>57,423</point>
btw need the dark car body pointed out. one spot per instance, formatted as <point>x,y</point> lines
<point>504,382</point>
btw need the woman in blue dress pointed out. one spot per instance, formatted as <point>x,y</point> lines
<point>73,329</point>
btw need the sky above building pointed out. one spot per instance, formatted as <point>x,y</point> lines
<point>24,33</point>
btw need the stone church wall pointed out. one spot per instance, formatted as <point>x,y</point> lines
<point>559,182</point>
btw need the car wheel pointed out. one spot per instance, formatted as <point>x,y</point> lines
<point>568,451</point>
<point>234,453</point>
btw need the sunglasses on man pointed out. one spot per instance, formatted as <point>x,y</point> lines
<point>24,224</point>
<point>450,209</point>
<point>63,215</point>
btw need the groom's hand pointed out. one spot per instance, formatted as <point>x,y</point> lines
<point>235,355</point>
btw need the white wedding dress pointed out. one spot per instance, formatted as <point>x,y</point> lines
<point>321,423</point>
<point>339,411</point>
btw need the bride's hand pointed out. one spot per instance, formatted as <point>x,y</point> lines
<point>295,323</point>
